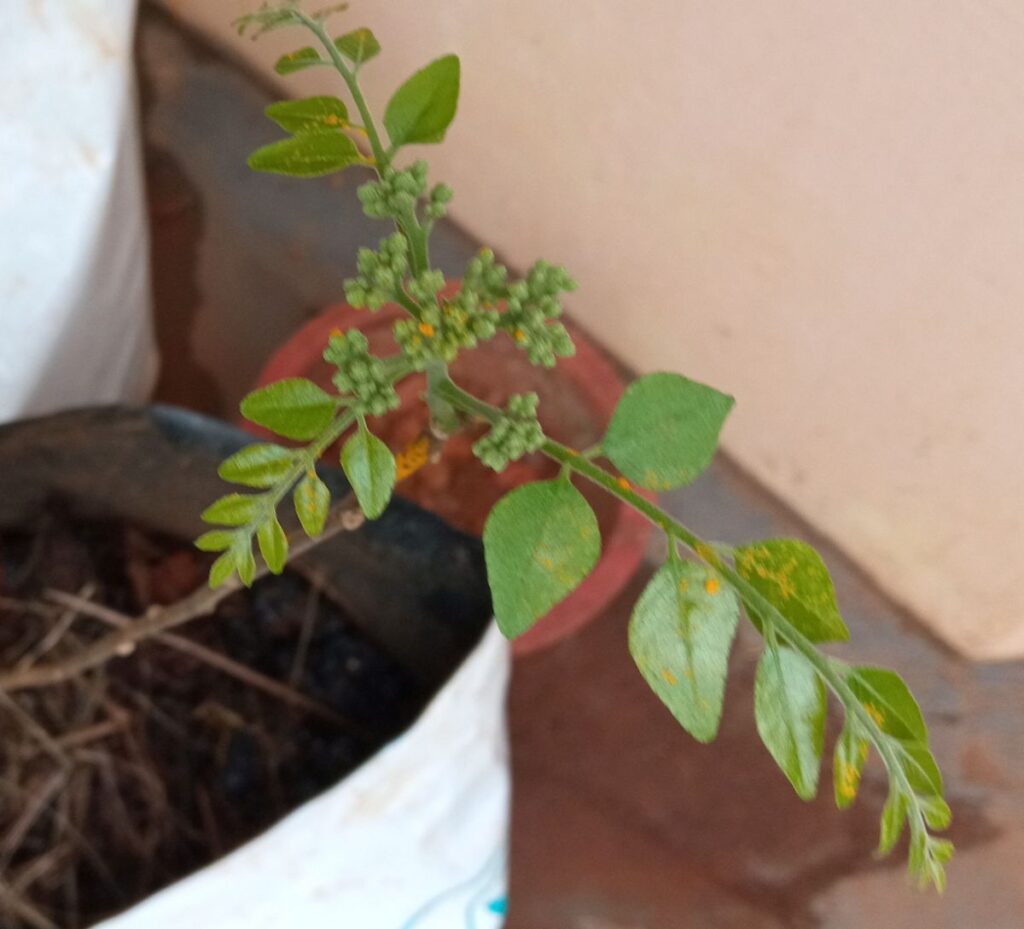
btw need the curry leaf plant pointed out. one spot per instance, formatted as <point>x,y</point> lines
<point>542,540</point>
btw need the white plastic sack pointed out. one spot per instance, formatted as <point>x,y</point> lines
<point>415,838</point>
<point>74,283</point>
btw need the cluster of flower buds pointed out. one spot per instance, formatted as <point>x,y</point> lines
<point>362,378</point>
<point>444,328</point>
<point>437,203</point>
<point>485,277</point>
<point>533,310</point>
<point>380,273</point>
<point>395,195</point>
<point>517,433</point>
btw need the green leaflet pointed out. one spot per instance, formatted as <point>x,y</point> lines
<point>260,465</point>
<point>217,540</point>
<point>232,510</point>
<point>298,60</point>
<point>312,501</point>
<point>309,114</point>
<point>665,429</point>
<point>540,541</point>
<point>894,815</point>
<point>792,577</point>
<point>851,752</point>
<point>358,46</point>
<point>370,468</point>
<point>789,708</point>
<point>424,106</point>
<point>273,544</point>
<point>309,154</point>
<point>294,408</point>
<point>889,701</point>
<point>680,636</point>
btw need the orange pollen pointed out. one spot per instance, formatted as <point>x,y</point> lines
<point>712,585</point>
<point>426,329</point>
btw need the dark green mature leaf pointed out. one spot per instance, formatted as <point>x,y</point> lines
<point>260,465</point>
<point>921,770</point>
<point>848,764</point>
<point>665,429</point>
<point>793,578</point>
<point>680,635</point>
<point>370,468</point>
<point>298,60</point>
<point>540,541</point>
<point>309,154</point>
<point>358,46</point>
<point>888,700</point>
<point>232,510</point>
<point>424,106</point>
<point>294,408</point>
<point>312,501</point>
<point>273,544</point>
<point>789,708</point>
<point>309,114</point>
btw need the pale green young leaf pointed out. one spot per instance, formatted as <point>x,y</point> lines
<point>245,563</point>
<point>894,815</point>
<point>937,813</point>
<point>309,114</point>
<point>358,46</point>
<point>851,752</point>
<point>294,408</point>
<point>268,18</point>
<point>312,501</point>
<point>665,429</point>
<point>298,60</point>
<point>789,708</point>
<point>792,577</point>
<point>232,510</point>
<point>680,636</point>
<point>424,106</point>
<point>222,568</point>
<point>261,465</point>
<point>273,544</point>
<point>370,468</point>
<point>540,541</point>
<point>888,700</point>
<point>217,540</point>
<point>309,154</point>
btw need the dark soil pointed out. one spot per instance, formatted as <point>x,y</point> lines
<point>138,773</point>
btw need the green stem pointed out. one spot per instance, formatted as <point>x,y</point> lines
<point>827,669</point>
<point>341,66</point>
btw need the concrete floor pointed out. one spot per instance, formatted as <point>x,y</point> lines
<point>620,820</point>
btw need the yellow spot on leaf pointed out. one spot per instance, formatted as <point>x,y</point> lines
<point>624,484</point>
<point>668,677</point>
<point>337,333</point>
<point>875,713</point>
<point>849,778</point>
<point>426,329</point>
<point>519,335</point>
<point>712,585</point>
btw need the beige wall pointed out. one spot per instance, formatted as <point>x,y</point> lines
<point>818,206</point>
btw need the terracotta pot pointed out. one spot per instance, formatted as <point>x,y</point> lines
<point>577,399</point>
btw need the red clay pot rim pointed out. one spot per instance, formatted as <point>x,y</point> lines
<point>592,374</point>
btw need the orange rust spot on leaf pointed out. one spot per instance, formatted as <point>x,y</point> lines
<point>426,329</point>
<point>624,484</point>
<point>712,585</point>
<point>519,335</point>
